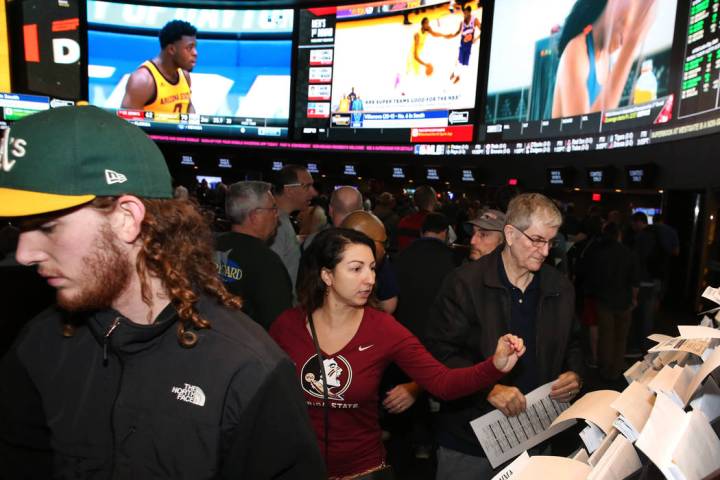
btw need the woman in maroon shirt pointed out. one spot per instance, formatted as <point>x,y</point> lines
<point>357,342</point>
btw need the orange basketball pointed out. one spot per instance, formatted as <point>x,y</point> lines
<point>468,37</point>
<point>429,69</point>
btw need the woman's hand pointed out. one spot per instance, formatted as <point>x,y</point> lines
<point>509,349</point>
<point>401,397</point>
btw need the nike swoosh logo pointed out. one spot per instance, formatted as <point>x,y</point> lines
<point>362,349</point>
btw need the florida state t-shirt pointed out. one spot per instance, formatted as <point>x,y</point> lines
<point>353,374</point>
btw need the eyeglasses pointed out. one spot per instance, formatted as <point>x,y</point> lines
<point>305,186</point>
<point>273,209</point>
<point>536,241</point>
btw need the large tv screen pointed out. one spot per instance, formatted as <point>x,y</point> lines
<point>388,71</point>
<point>238,75</point>
<point>574,66</point>
<point>582,75</point>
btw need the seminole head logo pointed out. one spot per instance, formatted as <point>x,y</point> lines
<point>337,371</point>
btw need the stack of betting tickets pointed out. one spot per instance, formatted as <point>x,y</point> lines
<point>666,412</point>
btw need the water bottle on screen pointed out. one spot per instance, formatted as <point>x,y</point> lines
<point>646,86</point>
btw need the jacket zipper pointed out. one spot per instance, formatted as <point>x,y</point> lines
<point>106,338</point>
<point>106,342</point>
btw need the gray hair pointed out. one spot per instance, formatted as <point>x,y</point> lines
<point>244,197</point>
<point>526,207</point>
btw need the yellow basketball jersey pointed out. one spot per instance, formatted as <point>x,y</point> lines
<point>169,97</point>
<point>412,65</point>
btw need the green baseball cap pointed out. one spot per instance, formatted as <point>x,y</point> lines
<point>64,157</point>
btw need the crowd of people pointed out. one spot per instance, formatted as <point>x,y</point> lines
<point>262,330</point>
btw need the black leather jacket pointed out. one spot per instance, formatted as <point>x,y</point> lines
<point>471,312</point>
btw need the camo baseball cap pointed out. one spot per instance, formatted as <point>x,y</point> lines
<point>65,157</point>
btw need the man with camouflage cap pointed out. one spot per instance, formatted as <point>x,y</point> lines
<point>145,368</point>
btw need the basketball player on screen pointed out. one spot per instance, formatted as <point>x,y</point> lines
<point>163,83</point>
<point>466,30</point>
<point>416,63</point>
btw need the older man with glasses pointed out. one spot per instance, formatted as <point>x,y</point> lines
<point>245,262</point>
<point>511,289</point>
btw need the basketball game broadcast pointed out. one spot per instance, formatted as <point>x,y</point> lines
<point>394,59</point>
<point>194,69</point>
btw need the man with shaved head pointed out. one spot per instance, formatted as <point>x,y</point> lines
<point>343,201</point>
<point>386,283</point>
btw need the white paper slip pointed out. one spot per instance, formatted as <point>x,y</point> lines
<point>669,358</point>
<point>634,406</point>
<point>673,382</point>
<point>697,453</point>
<point>515,466</point>
<point>712,294</point>
<point>696,346</point>
<point>701,373</point>
<point>503,438</point>
<point>592,437</point>
<point>581,455</point>
<point>680,444</point>
<point>659,337</point>
<point>707,399</point>
<point>698,331</point>
<point>555,468</point>
<point>607,441</point>
<point>648,376</point>
<point>707,322</point>
<point>626,429</point>
<point>636,370</point>
<point>593,407</point>
<point>619,461</point>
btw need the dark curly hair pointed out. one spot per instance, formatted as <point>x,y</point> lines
<point>174,30</point>
<point>177,248</point>
<point>325,251</point>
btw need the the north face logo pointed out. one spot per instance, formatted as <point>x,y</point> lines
<point>112,177</point>
<point>190,394</point>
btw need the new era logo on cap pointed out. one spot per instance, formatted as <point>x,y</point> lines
<point>65,157</point>
<point>112,177</point>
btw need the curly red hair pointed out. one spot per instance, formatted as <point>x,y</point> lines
<point>177,248</point>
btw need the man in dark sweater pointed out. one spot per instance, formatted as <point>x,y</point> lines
<point>420,270</point>
<point>245,262</point>
<point>612,280</point>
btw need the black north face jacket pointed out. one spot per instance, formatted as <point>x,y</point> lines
<point>136,405</point>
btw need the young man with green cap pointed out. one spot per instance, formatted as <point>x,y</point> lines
<point>145,368</point>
